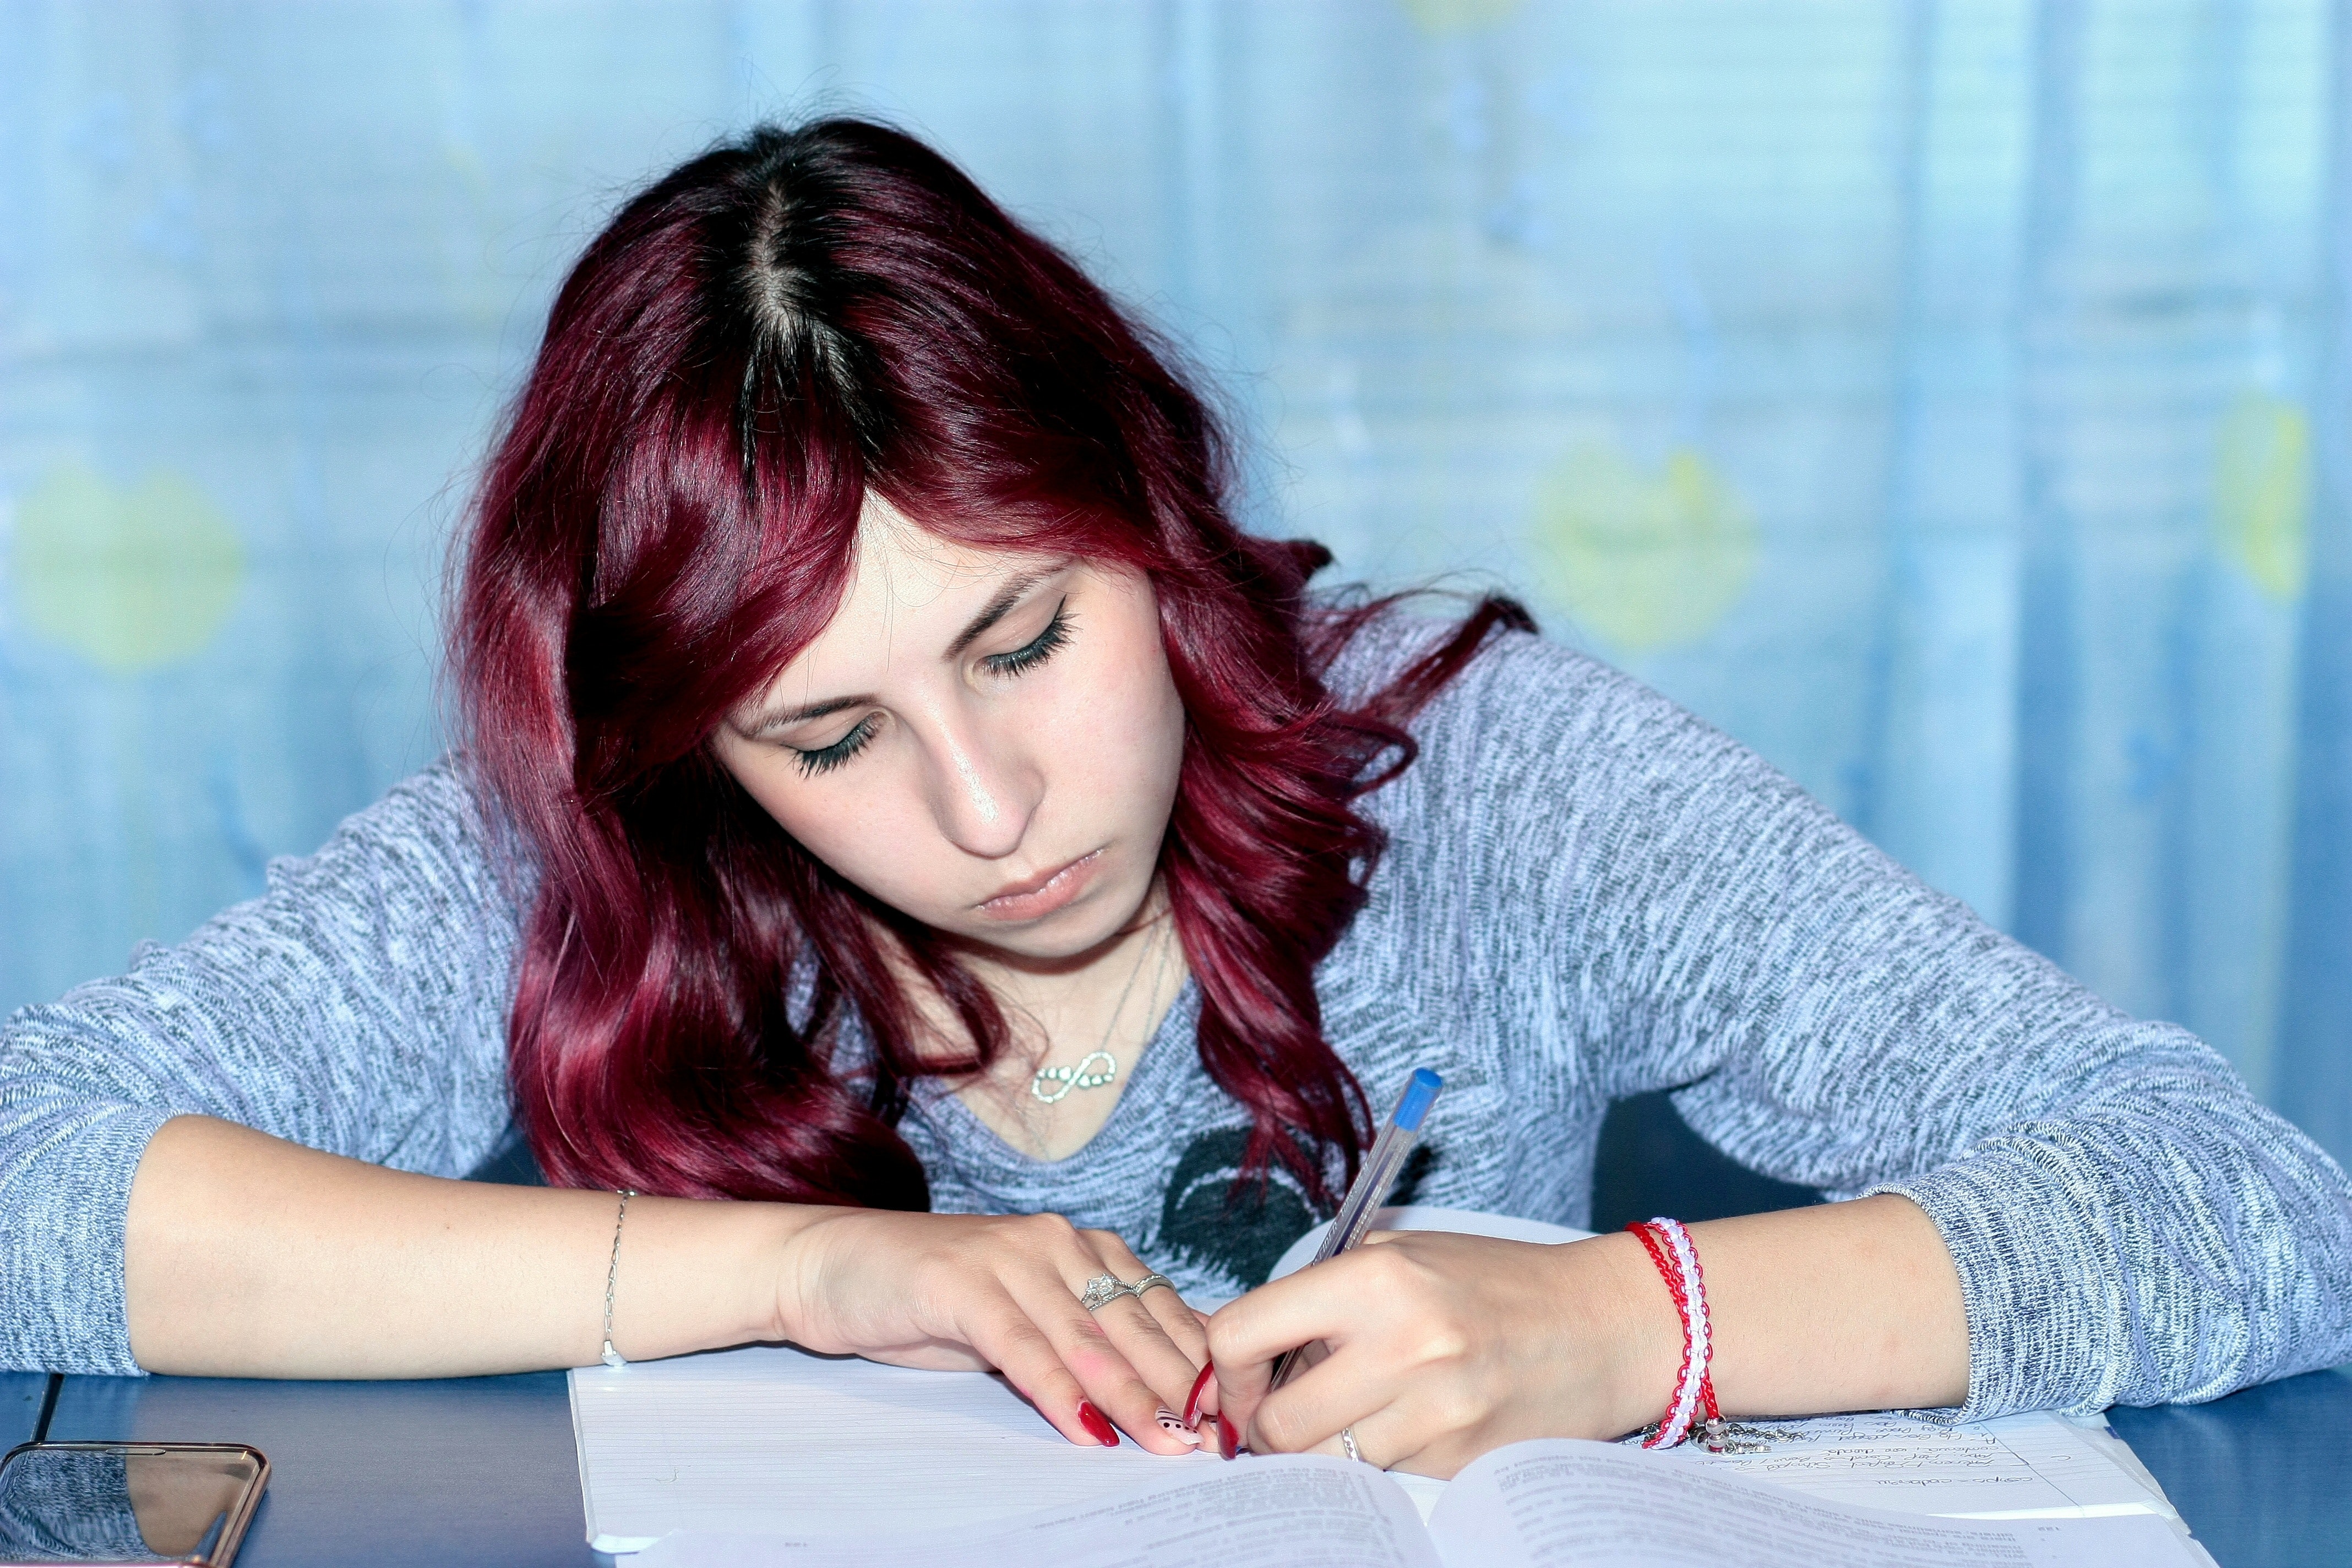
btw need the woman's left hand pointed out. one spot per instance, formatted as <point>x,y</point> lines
<point>1445,1346</point>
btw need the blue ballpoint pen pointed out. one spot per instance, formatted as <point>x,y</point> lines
<point>1373,1179</point>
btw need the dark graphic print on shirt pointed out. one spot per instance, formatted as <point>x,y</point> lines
<point>1243,1233</point>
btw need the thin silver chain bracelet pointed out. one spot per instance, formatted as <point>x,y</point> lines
<point>611,1357</point>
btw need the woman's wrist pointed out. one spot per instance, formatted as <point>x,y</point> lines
<point>778,1269</point>
<point>700,1274</point>
<point>1632,1316</point>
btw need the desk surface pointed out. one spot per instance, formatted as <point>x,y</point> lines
<point>2264,1478</point>
<point>400,1475</point>
<point>480,1470</point>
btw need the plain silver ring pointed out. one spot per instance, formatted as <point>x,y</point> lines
<point>1152,1282</point>
<point>1347,1441</point>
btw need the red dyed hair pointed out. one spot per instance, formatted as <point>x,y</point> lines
<point>752,343</point>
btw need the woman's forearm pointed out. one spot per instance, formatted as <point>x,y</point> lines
<point>1850,1306</point>
<point>247,1255</point>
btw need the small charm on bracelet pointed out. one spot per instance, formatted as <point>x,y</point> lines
<point>1718,1435</point>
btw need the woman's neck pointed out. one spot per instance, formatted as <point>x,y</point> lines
<point>1077,1031</point>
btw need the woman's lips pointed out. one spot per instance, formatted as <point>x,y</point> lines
<point>1041,896</point>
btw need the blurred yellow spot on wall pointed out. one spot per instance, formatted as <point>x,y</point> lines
<point>1644,560</point>
<point>1444,17</point>
<point>132,579</point>
<point>2262,491</point>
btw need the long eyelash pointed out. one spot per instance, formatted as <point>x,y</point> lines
<point>824,759</point>
<point>1022,660</point>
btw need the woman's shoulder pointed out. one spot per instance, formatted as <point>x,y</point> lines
<point>437,831</point>
<point>440,799</point>
<point>1522,699</point>
<point>1378,640</point>
<point>1534,747</point>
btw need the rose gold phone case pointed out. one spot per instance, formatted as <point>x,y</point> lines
<point>223,1550</point>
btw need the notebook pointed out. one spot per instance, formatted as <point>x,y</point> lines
<point>748,1443</point>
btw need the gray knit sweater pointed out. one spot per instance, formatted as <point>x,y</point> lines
<point>1588,894</point>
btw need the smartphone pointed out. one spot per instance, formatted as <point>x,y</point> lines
<point>127,1503</point>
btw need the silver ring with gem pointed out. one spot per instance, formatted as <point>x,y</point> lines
<point>1347,1441</point>
<point>1103,1289</point>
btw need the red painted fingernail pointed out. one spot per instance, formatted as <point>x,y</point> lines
<point>1227,1444</point>
<point>1096,1422</point>
<point>1192,1403</point>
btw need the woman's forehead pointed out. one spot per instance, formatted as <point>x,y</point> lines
<point>910,594</point>
<point>901,571</point>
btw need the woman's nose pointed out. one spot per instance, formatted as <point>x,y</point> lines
<point>983,791</point>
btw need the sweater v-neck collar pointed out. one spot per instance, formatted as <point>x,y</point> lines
<point>1170,1054</point>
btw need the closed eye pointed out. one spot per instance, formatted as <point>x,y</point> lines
<point>824,759</point>
<point>1022,660</point>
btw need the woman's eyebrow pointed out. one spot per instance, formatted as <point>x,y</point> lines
<point>1015,588</point>
<point>768,719</point>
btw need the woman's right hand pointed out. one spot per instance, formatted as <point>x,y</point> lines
<point>968,1292</point>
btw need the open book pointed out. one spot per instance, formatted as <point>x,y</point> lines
<point>1552,1504</point>
<point>754,1442</point>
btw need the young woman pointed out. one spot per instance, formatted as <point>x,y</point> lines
<point>907,836</point>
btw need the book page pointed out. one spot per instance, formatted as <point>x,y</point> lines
<point>1565,1504</point>
<point>772,1439</point>
<point>1290,1512</point>
<point>2039,1466</point>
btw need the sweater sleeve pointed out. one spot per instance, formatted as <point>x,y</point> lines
<point>357,1006</point>
<point>2129,1225</point>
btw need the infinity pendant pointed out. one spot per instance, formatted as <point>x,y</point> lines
<point>1068,1078</point>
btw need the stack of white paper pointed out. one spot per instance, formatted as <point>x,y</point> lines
<point>769,1436</point>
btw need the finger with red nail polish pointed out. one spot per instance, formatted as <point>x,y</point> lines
<point>1192,1403</point>
<point>1097,1423</point>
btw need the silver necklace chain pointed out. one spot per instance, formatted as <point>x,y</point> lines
<point>1053,1085</point>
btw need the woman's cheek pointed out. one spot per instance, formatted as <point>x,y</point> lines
<point>1106,761</point>
<point>873,841</point>
<point>1129,716</point>
<point>856,831</point>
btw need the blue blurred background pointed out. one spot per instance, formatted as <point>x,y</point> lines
<point>1949,399</point>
